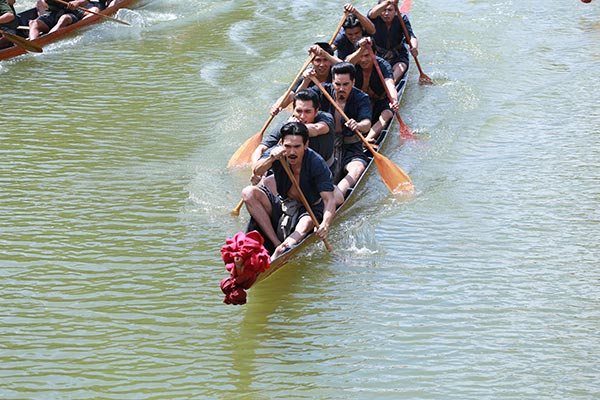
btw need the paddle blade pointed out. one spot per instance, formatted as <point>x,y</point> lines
<point>24,43</point>
<point>425,80</point>
<point>405,8</point>
<point>236,211</point>
<point>393,176</point>
<point>405,132</point>
<point>243,155</point>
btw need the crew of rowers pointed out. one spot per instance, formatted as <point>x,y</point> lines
<point>52,16</point>
<point>319,145</point>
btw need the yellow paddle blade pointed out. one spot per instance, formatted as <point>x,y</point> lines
<point>394,178</point>
<point>24,43</point>
<point>243,155</point>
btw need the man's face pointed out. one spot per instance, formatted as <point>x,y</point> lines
<point>342,85</point>
<point>305,112</point>
<point>354,34</point>
<point>365,61</point>
<point>388,13</point>
<point>294,148</point>
<point>321,65</point>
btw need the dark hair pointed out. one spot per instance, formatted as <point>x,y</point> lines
<point>351,22</point>
<point>325,46</point>
<point>308,95</point>
<point>294,128</point>
<point>344,68</point>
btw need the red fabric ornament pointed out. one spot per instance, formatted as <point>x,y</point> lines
<point>245,257</point>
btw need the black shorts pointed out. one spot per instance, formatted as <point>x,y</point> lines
<point>277,213</point>
<point>354,152</point>
<point>51,18</point>
<point>379,106</point>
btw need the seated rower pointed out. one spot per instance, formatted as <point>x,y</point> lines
<point>368,80</point>
<point>389,36</point>
<point>321,64</point>
<point>8,21</point>
<point>319,124</point>
<point>356,26</point>
<point>56,16</point>
<point>282,219</point>
<point>357,107</point>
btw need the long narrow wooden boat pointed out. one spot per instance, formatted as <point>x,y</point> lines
<point>283,259</point>
<point>27,15</point>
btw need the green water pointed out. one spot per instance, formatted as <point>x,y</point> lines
<point>115,200</point>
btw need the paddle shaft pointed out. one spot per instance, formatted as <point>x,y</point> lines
<point>85,10</point>
<point>423,77</point>
<point>303,68</point>
<point>389,95</point>
<point>21,42</point>
<point>288,171</point>
<point>393,176</point>
<point>342,113</point>
<point>244,152</point>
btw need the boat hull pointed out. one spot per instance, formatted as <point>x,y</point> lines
<point>282,260</point>
<point>43,40</point>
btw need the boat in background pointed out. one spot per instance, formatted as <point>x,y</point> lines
<point>25,16</point>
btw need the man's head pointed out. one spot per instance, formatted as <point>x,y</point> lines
<point>389,12</point>
<point>366,59</point>
<point>294,138</point>
<point>353,29</point>
<point>343,79</point>
<point>306,106</point>
<point>321,64</point>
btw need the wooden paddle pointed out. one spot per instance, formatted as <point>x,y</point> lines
<point>423,79</point>
<point>243,154</point>
<point>288,171</point>
<point>405,133</point>
<point>85,10</point>
<point>394,178</point>
<point>22,42</point>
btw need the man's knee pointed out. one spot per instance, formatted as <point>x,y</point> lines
<point>355,168</point>
<point>249,193</point>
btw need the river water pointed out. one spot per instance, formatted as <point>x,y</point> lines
<point>115,200</point>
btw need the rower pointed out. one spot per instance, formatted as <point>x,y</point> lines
<point>8,21</point>
<point>389,36</point>
<point>356,105</point>
<point>56,16</point>
<point>356,26</point>
<point>321,64</point>
<point>368,80</point>
<point>319,124</point>
<point>281,218</point>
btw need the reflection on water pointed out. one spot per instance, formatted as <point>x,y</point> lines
<point>115,200</point>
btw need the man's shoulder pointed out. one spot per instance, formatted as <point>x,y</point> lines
<point>314,158</point>
<point>324,116</point>
<point>358,94</point>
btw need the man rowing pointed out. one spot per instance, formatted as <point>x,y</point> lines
<point>321,64</point>
<point>306,109</point>
<point>8,21</point>
<point>389,36</point>
<point>368,80</point>
<point>356,26</point>
<point>281,218</point>
<point>56,16</point>
<point>356,105</point>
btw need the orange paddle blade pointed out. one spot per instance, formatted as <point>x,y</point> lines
<point>405,8</point>
<point>243,155</point>
<point>405,132</point>
<point>395,179</point>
